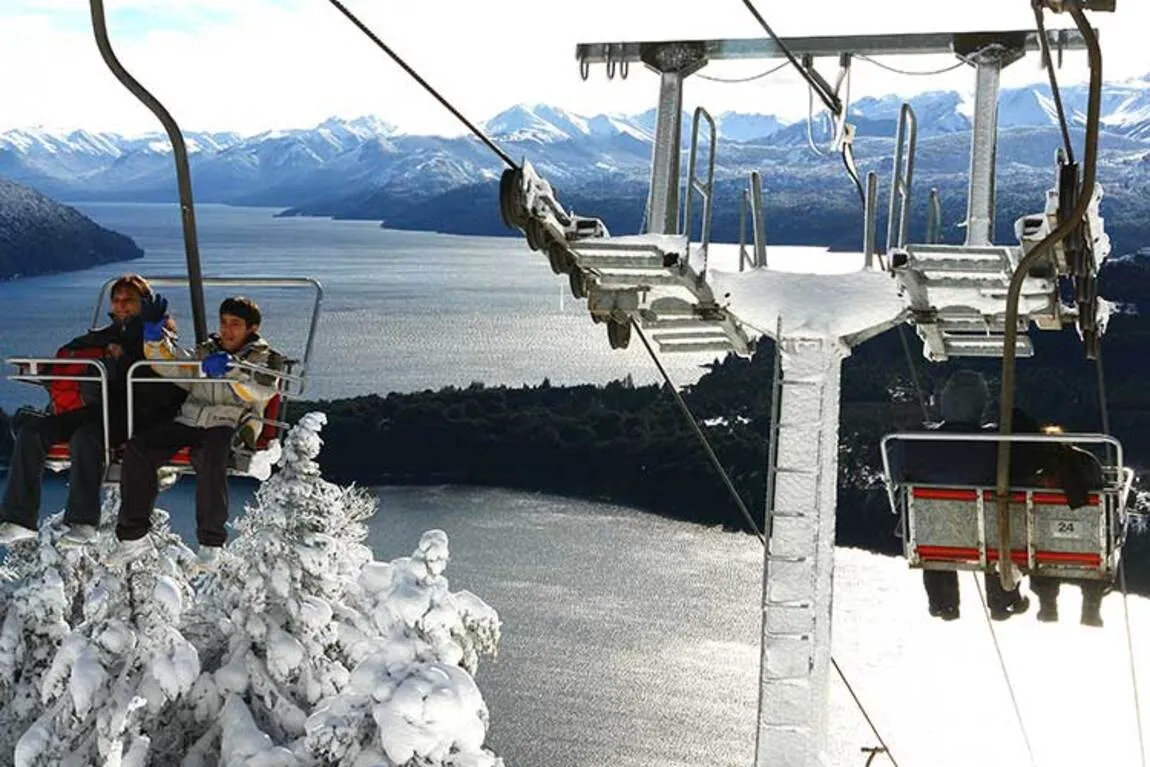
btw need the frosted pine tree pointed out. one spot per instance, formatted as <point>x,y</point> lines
<point>412,698</point>
<point>96,652</point>
<point>290,613</point>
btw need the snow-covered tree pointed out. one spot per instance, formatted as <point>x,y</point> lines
<point>300,650</point>
<point>298,603</point>
<point>93,655</point>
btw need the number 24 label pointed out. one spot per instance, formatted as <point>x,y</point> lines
<point>1065,529</point>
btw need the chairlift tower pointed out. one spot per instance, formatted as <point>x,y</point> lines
<point>694,295</point>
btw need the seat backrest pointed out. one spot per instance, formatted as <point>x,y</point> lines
<point>269,431</point>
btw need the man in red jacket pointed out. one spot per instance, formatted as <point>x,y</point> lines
<point>77,417</point>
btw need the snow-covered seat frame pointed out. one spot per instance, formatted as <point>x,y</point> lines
<point>949,518</point>
<point>290,381</point>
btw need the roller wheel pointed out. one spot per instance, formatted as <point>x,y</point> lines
<point>619,333</point>
<point>578,283</point>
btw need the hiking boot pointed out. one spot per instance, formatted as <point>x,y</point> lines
<point>946,613</point>
<point>78,535</point>
<point>1017,607</point>
<point>129,551</point>
<point>207,558</point>
<point>10,533</point>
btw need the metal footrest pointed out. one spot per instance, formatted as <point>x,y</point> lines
<point>984,346</point>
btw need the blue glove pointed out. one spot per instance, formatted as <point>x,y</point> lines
<point>216,365</point>
<point>153,308</point>
<point>154,331</point>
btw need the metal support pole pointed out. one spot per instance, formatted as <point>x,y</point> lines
<point>984,135</point>
<point>758,220</point>
<point>870,221</point>
<point>674,62</point>
<point>663,199</point>
<point>794,670</point>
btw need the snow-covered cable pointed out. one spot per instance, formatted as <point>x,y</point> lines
<point>1005,674</point>
<point>752,78</point>
<point>911,72</point>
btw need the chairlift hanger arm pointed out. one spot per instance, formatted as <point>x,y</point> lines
<point>736,49</point>
<point>179,154</point>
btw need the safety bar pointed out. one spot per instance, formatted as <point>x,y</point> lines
<point>101,377</point>
<point>903,175</point>
<point>753,198</point>
<point>705,190</point>
<point>238,282</point>
<point>199,378</point>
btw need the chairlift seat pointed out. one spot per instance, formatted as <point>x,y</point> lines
<point>943,488</point>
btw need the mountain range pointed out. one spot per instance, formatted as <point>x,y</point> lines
<point>366,168</point>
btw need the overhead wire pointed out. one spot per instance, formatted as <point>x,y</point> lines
<point>1040,21</point>
<point>752,78</point>
<point>666,377</point>
<point>910,72</point>
<point>427,86</point>
<point>1005,673</point>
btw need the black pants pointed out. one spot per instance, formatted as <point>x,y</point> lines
<point>83,429</point>
<point>942,591</point>
<point>149,450</point>
<point>1047,589</point>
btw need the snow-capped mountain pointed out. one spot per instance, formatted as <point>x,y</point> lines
<point>356,158</point>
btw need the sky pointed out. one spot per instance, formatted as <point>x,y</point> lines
<point>263,64</point>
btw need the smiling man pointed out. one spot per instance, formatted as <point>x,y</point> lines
<point>211,418</point>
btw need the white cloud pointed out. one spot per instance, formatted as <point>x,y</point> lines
<point>221,65</point>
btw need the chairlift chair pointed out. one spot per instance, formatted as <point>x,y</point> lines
<point>290,381</point>
<point>942,487</point>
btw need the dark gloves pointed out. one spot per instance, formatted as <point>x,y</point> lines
<point>153,308</point>
<point>216,365</point>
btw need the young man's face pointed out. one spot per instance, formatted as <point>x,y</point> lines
<point>234,331</point>
<point>125,304</point>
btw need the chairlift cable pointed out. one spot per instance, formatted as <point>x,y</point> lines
<point>701,436</point>
<point>686,410</point>
<point>752,78</point>
<point>910,72</point>
<point>866,716</point>
<point>1005,673</point>
<point>829,99</point>
<point>1133,671</point>
<point>427,86</point>
<point>1054,90</point>
<point>913,372</point>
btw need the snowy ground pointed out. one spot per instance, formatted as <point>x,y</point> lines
<point>936,691</point>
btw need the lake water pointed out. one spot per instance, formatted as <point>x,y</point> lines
<point>402,311</point>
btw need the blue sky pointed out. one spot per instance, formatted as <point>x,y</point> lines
<point>260,64</point>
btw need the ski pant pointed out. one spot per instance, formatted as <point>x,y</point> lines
<point>942,591</point>
<point>147,451</point>
<point>83,430</point>
<point>1046,588</point>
